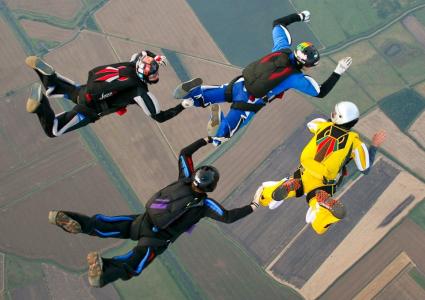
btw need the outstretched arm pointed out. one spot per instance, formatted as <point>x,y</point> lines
<point>281,36</point>
<point>330,83</point>
<point>186,167</point>
<point>215,211</point>
<point>165,115</point>
<point>363,156</point>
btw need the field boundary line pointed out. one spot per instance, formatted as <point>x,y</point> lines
<point>388,274</point>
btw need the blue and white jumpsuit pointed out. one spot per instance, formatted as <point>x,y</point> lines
<point>236,119</point>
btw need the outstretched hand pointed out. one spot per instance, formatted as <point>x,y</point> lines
<point>186,103</point>
<point>343,65</point>
<point>378,138</point>
<point>256,201</point>
<point>305,16</point>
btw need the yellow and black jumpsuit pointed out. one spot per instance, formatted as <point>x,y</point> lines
<point>322,164</point>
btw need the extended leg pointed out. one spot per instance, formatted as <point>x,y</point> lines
<point>230,124</point>
<point>202,95</point>
<point>55,84</point>
<point>53,125</point>
<point>97,225</point>
<point>324,211</point>
<point>106,270</point>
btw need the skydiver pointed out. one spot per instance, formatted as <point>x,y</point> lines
<point>261,82</point>
<point>170,212</point>
<point>110,88</point>
<point>323,166</point>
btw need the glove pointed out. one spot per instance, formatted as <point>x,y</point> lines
<point>305,16</point>
<point>161,60</point>
<point>186,103</point>
<point>256,201</point>
<point>343,65</point>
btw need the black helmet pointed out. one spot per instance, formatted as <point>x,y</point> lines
<point>307,55</point>
<point>205,178</point>
<point>147,69</point>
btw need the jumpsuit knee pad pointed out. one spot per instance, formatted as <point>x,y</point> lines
<point>321,218</point>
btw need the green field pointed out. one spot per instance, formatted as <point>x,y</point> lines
<point>336,21</point>
<point>420,15</point>
<point>223,270</point>
<point>371,71</point>
<point>401,50</point>
<point>403,107</point>
<point>418,277</point>
<point>345,89</point>
<point>418,214</point>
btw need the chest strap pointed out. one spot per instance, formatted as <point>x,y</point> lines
<point>228,93</point>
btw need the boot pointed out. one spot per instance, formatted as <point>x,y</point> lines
<point>61,219</point>
<point>94,260</point>
<point>185,87</point>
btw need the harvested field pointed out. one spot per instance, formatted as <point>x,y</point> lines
<point>267,232</point>
<point>13,72</point>
<point>60,283</point>
<point>61,8</point>
<point>416,28</point>
<point>403,287</point>
<point>373,226</point>
<point>417,129</point>
<point>43,31</point>
<point>407,237</point>
<point>179,29</point>
<point>308,252</point>
<point>399,265</point>
<point>397,144</point>
<point>420,88</point>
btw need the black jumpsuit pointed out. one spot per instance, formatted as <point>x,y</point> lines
<point>86,111</point>
<point>139,227</point>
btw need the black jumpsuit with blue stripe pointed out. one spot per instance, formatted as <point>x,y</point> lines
<point>135,261</point>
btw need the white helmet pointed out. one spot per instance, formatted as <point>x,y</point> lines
<point>345,112</point>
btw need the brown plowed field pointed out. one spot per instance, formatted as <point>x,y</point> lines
<point>397,144</point>
<point>13,72</point>
<point>179,28</point>
<point>417,129</point>
<point>416,28</point>
<point>61,8</point>
<point>43,31</point>
<point>404,287</point>
<point>407,237</point>
<point>373,226</point>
